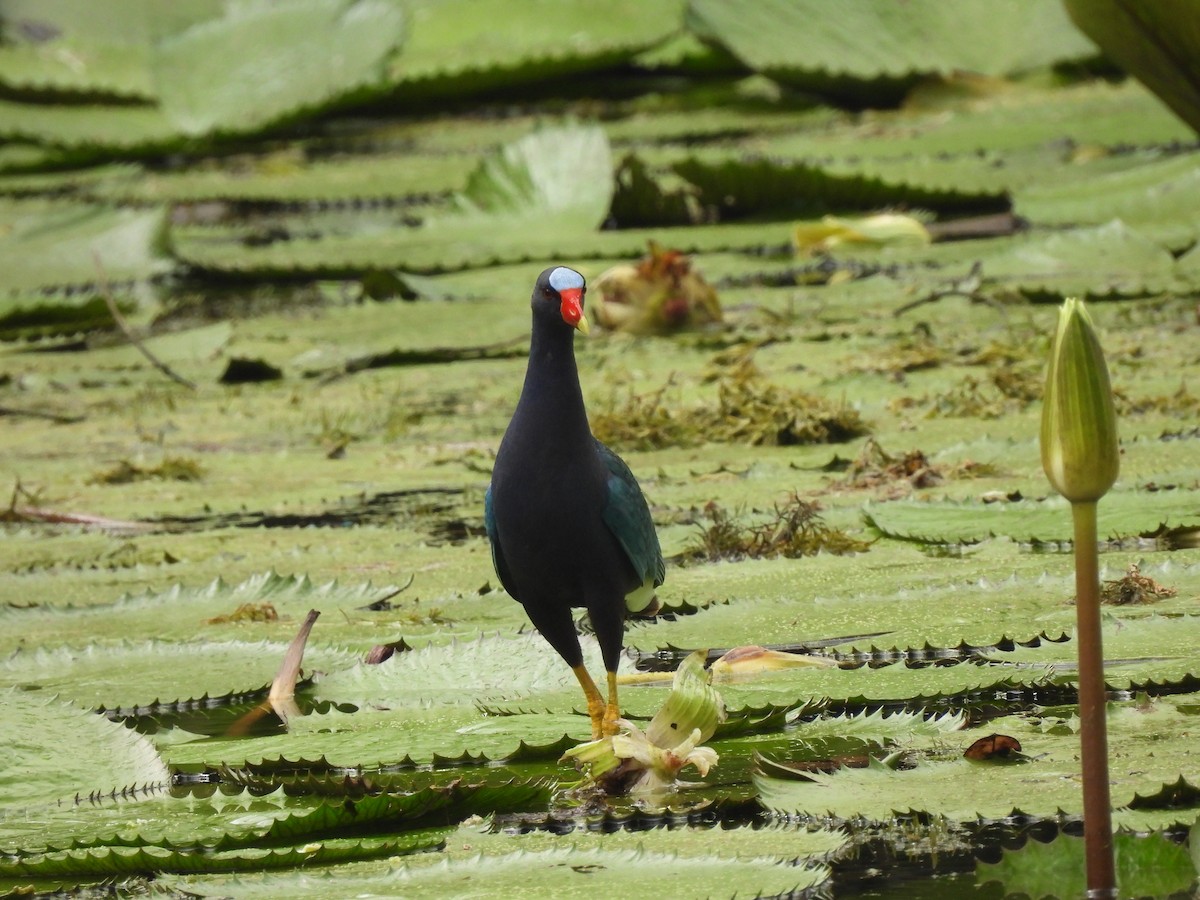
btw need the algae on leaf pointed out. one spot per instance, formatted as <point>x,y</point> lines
<point>1152,196</point>
<point>95,49</point>
<point>262,63</point>
<point>939,781</point>
<point>454,47</point>
<point>558,177</point>
<point>560,871</point>
<point>1125,515</point>
<point>395,204</point>
<point>871,51</point>
<point>47,243</point>
<point>56,751</point>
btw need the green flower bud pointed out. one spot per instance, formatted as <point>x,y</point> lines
<point>1079,424</point>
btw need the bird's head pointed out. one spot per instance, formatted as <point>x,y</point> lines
<point>559,292</point>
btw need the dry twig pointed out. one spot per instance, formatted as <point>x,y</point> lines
<point>106,292</point>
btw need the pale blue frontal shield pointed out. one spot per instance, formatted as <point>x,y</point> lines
<point>562,279</point>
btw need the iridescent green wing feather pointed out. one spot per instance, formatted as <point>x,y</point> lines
<point>627,515</point>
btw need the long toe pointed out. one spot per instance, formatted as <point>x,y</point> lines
<point>608,725</point>
<point>598,728</point>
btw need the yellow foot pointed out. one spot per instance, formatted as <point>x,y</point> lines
<point>595,703</point>
<point>612,711</point>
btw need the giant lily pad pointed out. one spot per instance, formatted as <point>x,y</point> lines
<point>1124,514</point>
<point>139,674</point>
<point>950,785</point>
<point>59,244</point>
<point>76,48</point>
<point>57,751</point>
<point>558,177</point>
<point>261,63</point>
<point>455,46</point>
<point>876,48</point>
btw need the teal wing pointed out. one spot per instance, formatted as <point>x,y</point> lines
<point>628,517</point>
<point>489,522</point>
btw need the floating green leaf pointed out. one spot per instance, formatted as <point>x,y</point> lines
<point>57,752</point>
<point>80,867</point>
<point>158,613</point>
<point>876,48</point>
<point>397,208</point>
<point>49,243</point>
<point>1108,260</point>
<point>72,134</point>
<point>1148,865</point>
<point>139,674</point>
<point>556,872</point>
<point>455,46</point>
<point>559,177</point>
<point>1150,198</point>
<point>98,50</point>
<point>941,781</point>
<point>262,63</point>
<point>392,813</point>
<point>1125,514</point>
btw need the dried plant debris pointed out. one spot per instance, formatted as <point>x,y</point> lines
<point>1007,389</point>
<point>754,411</point>
<point>970,398</point>
<point>969,286</point>
<point>248,612</point>
<point>645,422</point>
<point>911,353</point>
<point>1134,587</point>
<point>795,529</point>
<point>1181,403</point>
<point>875,467</point>
<point>749,410</point>
<point>1022,384</point>
<point>1022,346</point>
<point>172,468</point>
<point>722,537</point>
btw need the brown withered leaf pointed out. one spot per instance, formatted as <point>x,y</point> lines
<point>994,748</point>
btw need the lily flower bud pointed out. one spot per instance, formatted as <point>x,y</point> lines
<point>1079,423</point>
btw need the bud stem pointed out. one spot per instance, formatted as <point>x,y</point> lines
<point>1093,732</point>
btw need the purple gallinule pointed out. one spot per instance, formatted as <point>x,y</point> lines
<point>568,524</point>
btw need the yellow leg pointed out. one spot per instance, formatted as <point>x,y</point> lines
<point>595,703</point>
<point>612,712</point>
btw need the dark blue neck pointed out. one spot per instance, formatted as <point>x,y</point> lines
<point>551,394</point>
